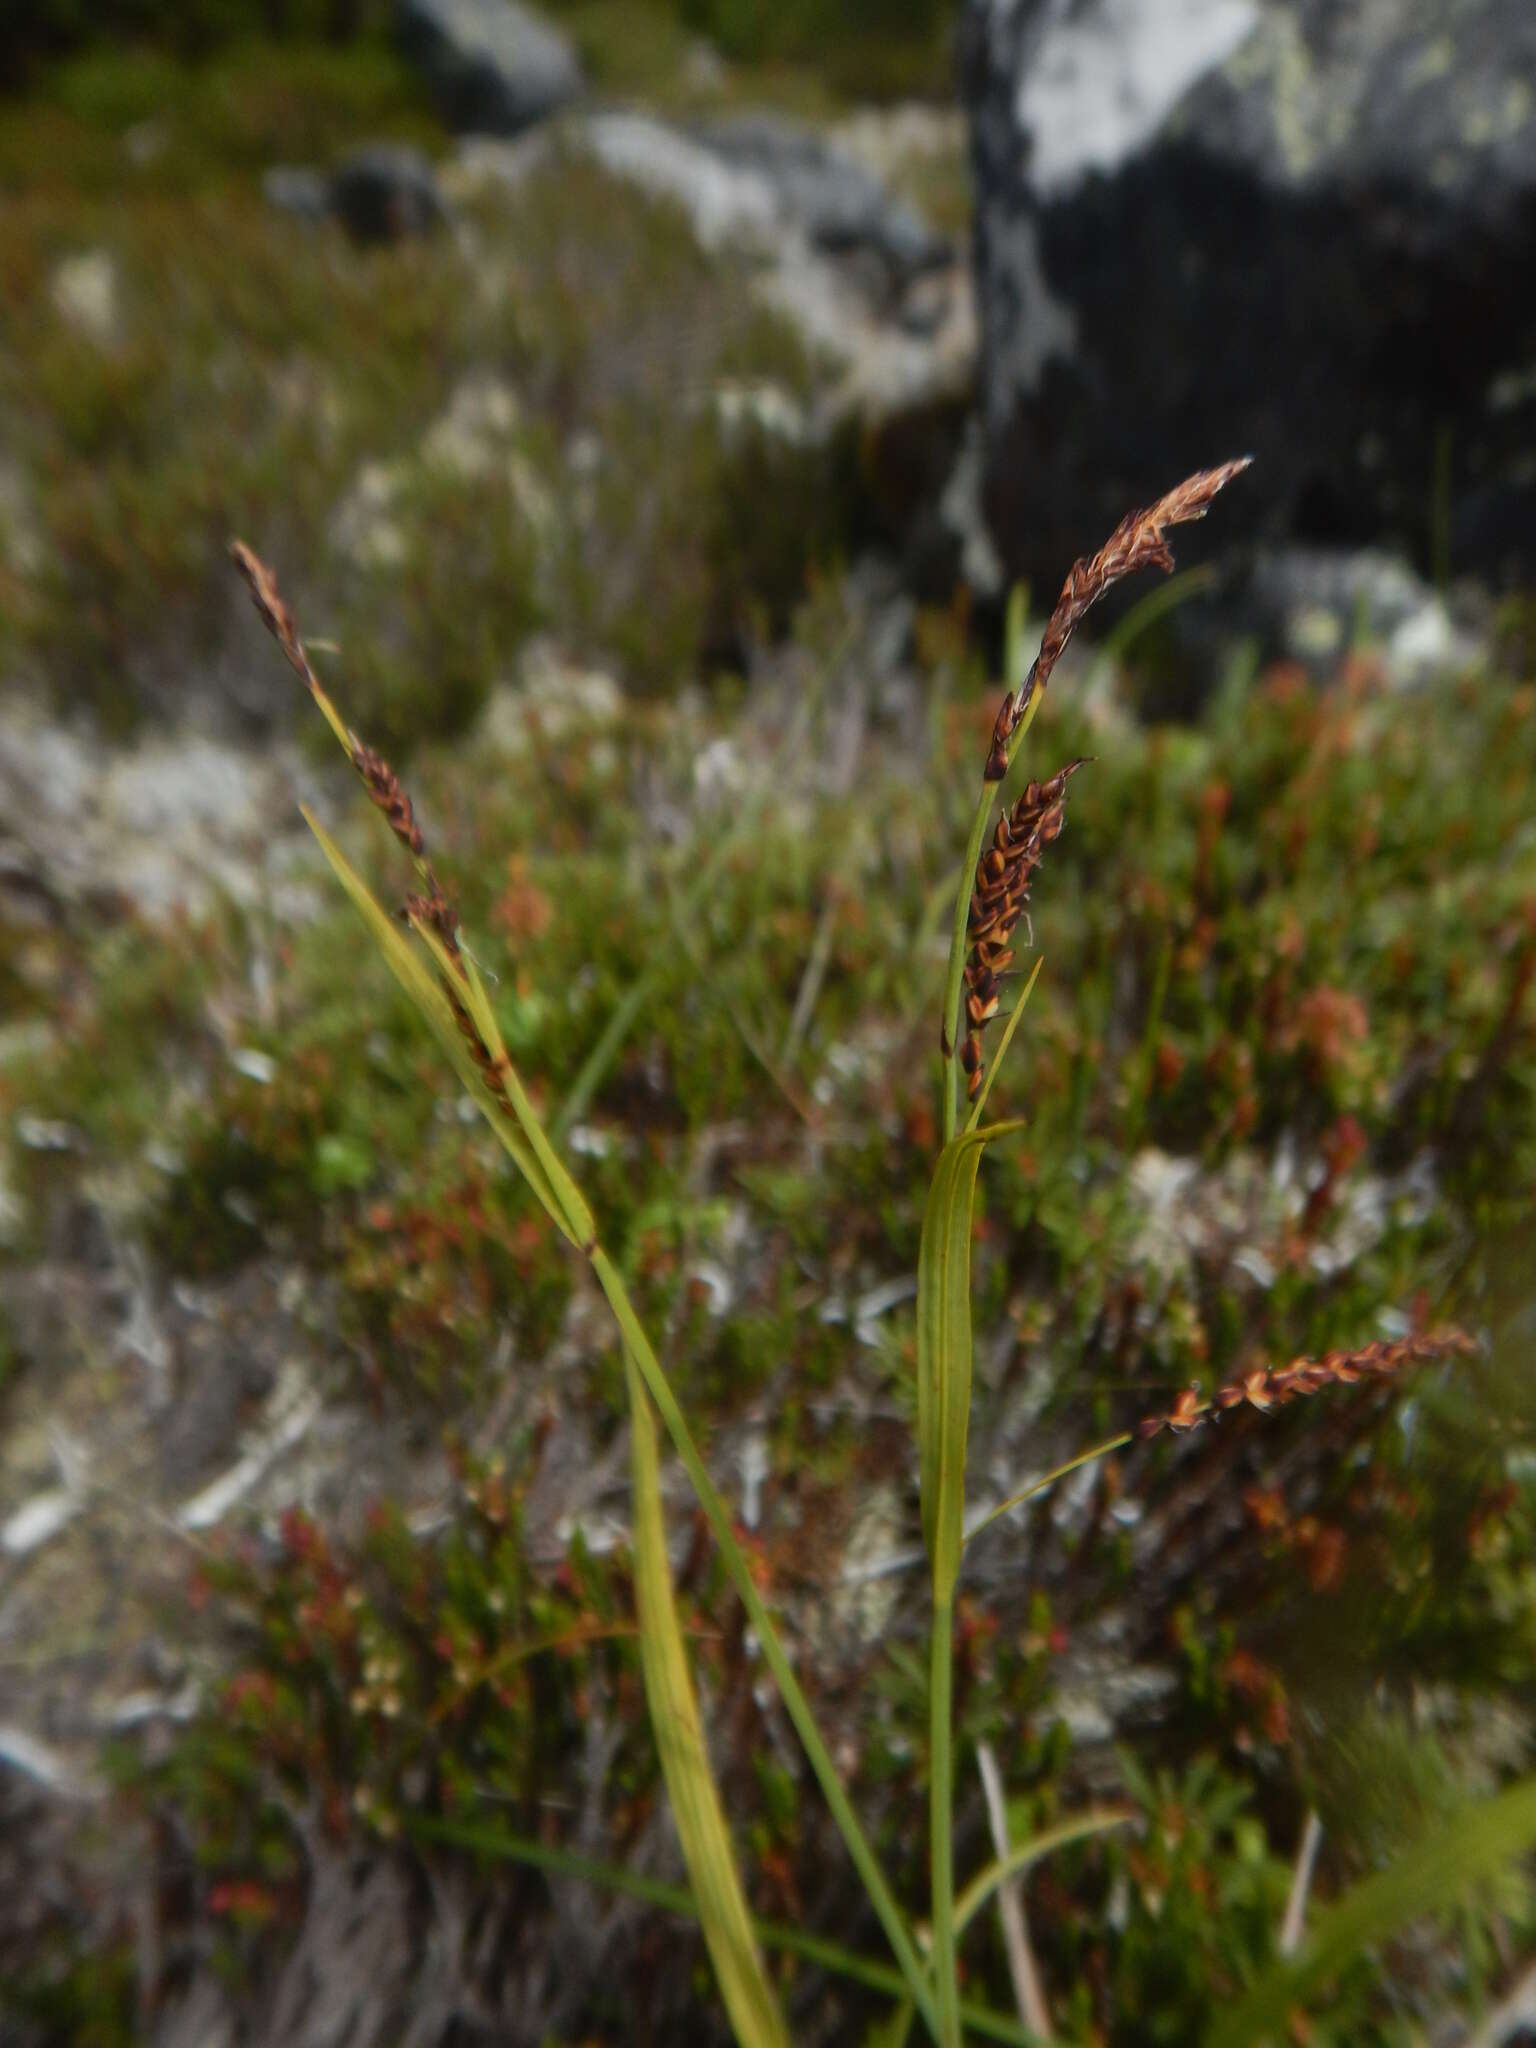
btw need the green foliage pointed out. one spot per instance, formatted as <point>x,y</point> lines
<point>37,29</point>
<point>873,47</point>
<point>454,458</point>
<point>441,1677</point>
<point>1290,958</point>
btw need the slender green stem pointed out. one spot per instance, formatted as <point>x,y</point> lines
<point>941,1792</point>
<point>675,1898</point>
<point>795,1702</point>
<point>1015,1500</point>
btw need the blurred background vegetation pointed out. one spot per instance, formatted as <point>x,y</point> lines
<point>864,48</point>
<point>311,1449</point>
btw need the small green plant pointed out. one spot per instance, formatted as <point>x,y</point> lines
<point>426,952</point>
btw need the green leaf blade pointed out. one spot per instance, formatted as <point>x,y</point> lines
<point>696,1809</point>
<point>944,1348</point>
<point>1427,1880</point>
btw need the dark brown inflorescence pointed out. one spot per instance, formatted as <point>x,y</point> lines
<point>1138,542</point>
<point>1001,898</point>
<point>382,783</point>
<point>275,615</point>
<point>1264,1390</point>
<point>384,787</point>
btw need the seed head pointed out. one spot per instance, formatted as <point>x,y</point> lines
<point>1138,542</point>
<point>1001,898</point>
<point>1263,1390</point>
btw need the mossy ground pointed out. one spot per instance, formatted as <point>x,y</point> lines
<point>1289,954</point>
<point>261,374</point>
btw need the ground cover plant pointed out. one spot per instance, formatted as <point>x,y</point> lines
<point>1196,999</point>
<point>240,364</point>
<point>385,1729</point>
<point>447,988</point>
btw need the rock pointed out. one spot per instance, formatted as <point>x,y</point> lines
<point>1311,605</point>
<point>166,826</point>
<point>840,206</point>
<point>726,204</point>
<point>84,293</point>
<point>297,190</point>
<point>883,306</point>
<point>1212,226</point>
<point>761,184</point>
<point>892,142</point>
<point>496,67</point>
<point>386,192</point>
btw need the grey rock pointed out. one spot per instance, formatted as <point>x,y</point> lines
<point>1312,604</point>
<point>894,352</point>
<point>166,826</point>
<point>297,190</point>
<point>728,205</point>
<point>386,192</point>
<point>85,293</point>
<point>1285,227</point>
<point>496,67</point>
<point>839,205</point>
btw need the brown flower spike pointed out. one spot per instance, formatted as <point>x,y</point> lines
<point>1138,542</point>
<point>381,781</point>
<point>1000,899</point>
<point>1265,1390</point>
<point>1001,893</point>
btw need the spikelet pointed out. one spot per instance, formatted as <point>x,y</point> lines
<point>1001,897</point>
<point>433,906</point>
<point>1138,542</point>
<point>1263,1390</point>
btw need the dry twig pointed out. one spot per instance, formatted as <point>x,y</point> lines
<point>1028,1995</point>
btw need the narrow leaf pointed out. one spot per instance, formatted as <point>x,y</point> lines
<point>1428,1879</point>
<point>425,991</point>
<point>749,1997</point>
<point>488,1839</point>
<point>578,1219</point>
<point>1096,1821</point>
<point>1014,1017</point>
<point>944,1349</point>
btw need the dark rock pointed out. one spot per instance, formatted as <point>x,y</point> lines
<point>496,67</point>
<point>839,205</point>
<point>386,192</point>
<point>1294,228</point>
<point>304,193</point>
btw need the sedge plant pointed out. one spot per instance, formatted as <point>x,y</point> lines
<point>424,950</point>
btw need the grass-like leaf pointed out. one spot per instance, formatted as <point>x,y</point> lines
<point>1097,1821</point>
<point>425,991</point>
<point>482,1838</point>
<point>943,1415</point>
<point>1428,1879</point>
<point>944,1347</point>
<point>722,1907</point>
